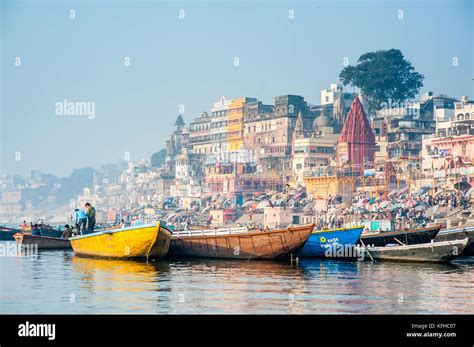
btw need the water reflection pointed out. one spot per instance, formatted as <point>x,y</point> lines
<point>60,282</point>
<point>366,287</point>
<point>132,286</point>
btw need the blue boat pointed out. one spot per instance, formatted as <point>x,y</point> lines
<point>50,232</point>
<point>6,233</point>
<point>325,243</point>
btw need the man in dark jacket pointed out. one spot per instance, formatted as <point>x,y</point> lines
<point>90,213</point>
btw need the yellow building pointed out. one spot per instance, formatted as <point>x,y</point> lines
<point>320,187</point>
<point>235,120</point>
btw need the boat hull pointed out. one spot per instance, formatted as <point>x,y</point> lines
<point>42,242</point>
<point>47,232</point>
<point>7,235</point>
<point>408,237</point>
<point>149,241</point>
<point>459,234</point>
<point>251,245</point>
<point>433,252</point>
<point>326,243</point>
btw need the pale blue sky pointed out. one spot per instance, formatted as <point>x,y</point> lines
<point>190,61</point>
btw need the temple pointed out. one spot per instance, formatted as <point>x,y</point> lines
<point>356,145</point>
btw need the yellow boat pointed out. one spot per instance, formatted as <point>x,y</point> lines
<point>144,241</point>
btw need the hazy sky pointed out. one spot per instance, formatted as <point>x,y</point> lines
<point>190,61</point>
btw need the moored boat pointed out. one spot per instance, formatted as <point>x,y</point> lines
<point>459,234</point>
<point>144,241</point>
<point>407,237</point>
<point>325,243</point>
<point>47,231</point>
<point>239,243</point>
<point>435,252</point>
<point>6,233</point>
<point>42,242</point>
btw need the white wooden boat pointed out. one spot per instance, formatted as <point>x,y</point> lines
<point>434,252</point>
<point>458,234</point>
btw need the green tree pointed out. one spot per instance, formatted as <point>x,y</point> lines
<point>158,158</point>
<point>381,76</point>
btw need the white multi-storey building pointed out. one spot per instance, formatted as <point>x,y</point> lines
<point>218,133</point>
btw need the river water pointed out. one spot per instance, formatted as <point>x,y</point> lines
<point>60,282</point>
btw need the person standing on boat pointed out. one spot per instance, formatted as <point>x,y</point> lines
<point>90,213</point>
<point>24,226</point>
<point>80,219</point>
<point>36,230</point>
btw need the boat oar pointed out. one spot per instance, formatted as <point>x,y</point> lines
<point>400,242</point>
<point>366,248</point>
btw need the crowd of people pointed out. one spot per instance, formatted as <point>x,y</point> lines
<point>404,211</point>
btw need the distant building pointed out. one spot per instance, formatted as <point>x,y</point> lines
<point>200,135</point>
<point>458,122</point>
<point>448,154</point>
<point>218,133</point>
<point>337,102</point>
<point>189,180</point>
<point>356,144</point>
<point>409,122</point>
<point>276,135</point>
<point>328,96</point>
<point>314,152</point>
<point>242,183</point>
<point>222,216</point>
<point>235,124</point>
<point>380,129</point>
<point>436,107</point>
<point>178,140</point>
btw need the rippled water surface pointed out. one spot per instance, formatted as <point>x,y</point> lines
<point>59,282</point>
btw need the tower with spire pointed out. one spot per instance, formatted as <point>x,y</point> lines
<point>356,144</point>
<point>339,111</point>
<point>299,131</point>
<point>175,143</point>
<point>179,123</point>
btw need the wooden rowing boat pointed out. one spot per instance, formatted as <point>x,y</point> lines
<point>434,252</point>
<point>459,234</point>
<point>239,243</point>
<point>408,237</point>
<point>6,233</point>
<point>50,232</point>
<point>42,242</point>
<point>145,241</point>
